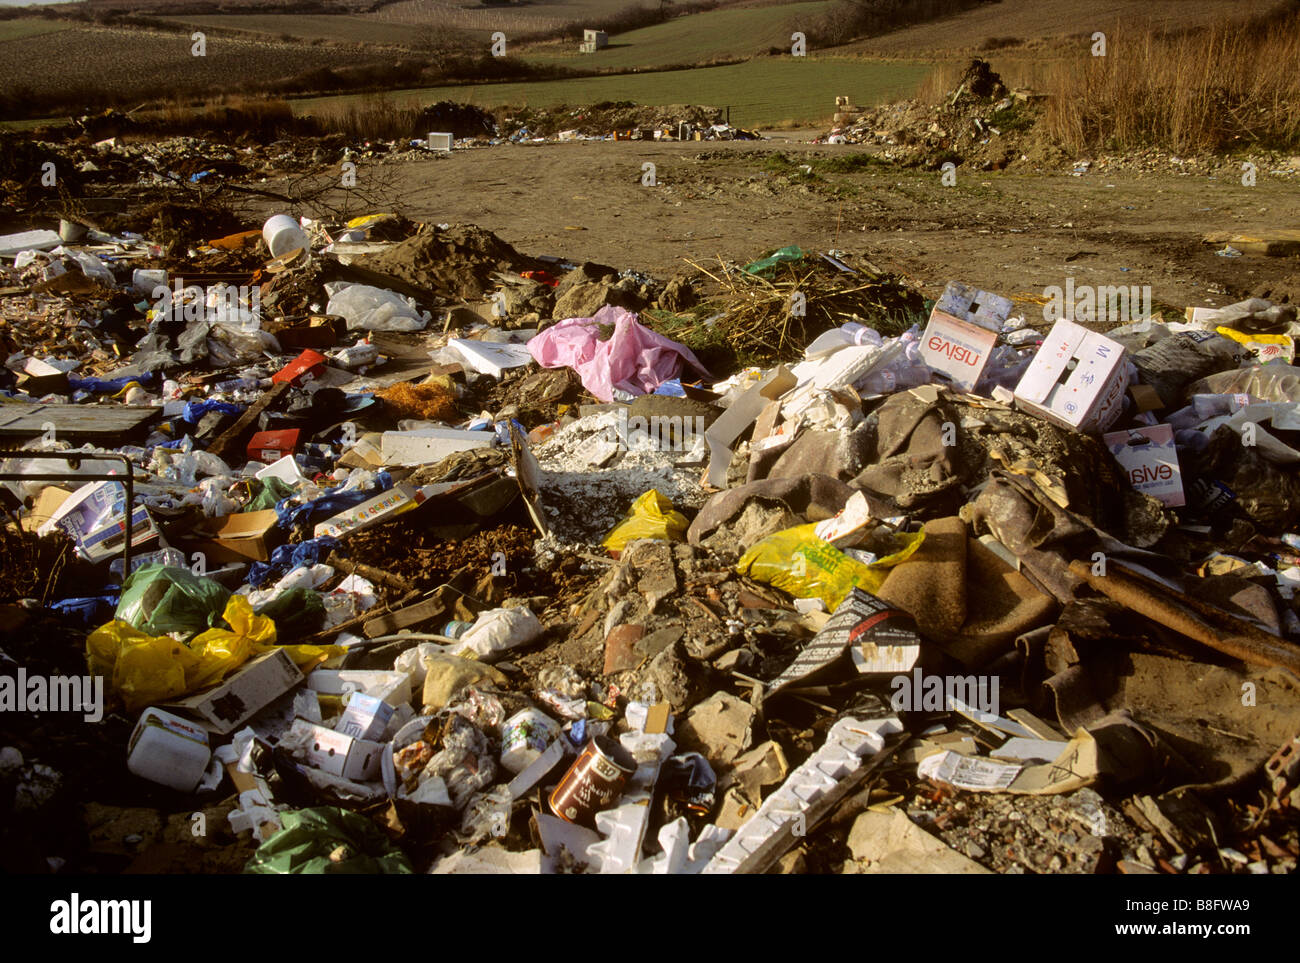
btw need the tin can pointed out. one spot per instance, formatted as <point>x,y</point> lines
<point>593,782</point>
<point>524,737</point>
<point>454,630</point>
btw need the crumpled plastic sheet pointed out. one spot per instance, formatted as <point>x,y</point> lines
<point>288,557</point>
<point>292,516</point>
<point>633,359</point>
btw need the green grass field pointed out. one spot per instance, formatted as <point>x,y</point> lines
<point>700,38</point>
<point>307,27</point>
<point>22,29</point>
<point>760,92</point>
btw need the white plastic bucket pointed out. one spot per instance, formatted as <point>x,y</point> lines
<point>169,750</point>
<point>524,737</point>
<point>283,234</point>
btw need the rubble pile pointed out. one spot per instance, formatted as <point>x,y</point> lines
<point>983,125</point>
<point>979,123</point>
<point>389,548</point>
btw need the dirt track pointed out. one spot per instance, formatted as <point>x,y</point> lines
<point>1009,232</point>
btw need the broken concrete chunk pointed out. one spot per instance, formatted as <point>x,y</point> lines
<point>719,728</point>
<point>892,843</point>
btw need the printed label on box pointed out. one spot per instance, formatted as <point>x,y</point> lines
<point>1150,460</point>
<point>957,348</point>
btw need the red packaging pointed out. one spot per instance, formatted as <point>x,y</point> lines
<point>271,446</point>
<point>301,369</point>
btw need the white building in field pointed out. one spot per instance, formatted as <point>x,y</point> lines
<point>593,40</point>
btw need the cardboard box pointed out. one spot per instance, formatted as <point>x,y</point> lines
<point>243,537</point>
<point>250,689</point>
<point>1087,396</point>
<point>366,717</point>
<point>366,453</point>
<point>957,348</point>
<point>398,499</point>
<point>963,329</point>
<point>86,509</point>
<point>94,518</point>
<point>343,755</point>
<point>40,378</point>
<point>1150,461</point>
<point>110,539</point>
<point>269,447</point>
<point>45,507</point>
<point>321,331</point>
<point>306,367</point>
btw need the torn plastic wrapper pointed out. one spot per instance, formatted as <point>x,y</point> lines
<point>800,563</point>
<point>633,358</point>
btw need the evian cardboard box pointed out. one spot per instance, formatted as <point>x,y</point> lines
<point>1077,379</point>
<point>963,328</point>
<point>1149,458</point>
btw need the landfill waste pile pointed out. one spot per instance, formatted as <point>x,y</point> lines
<point>380,547</point>
<point>982,124</point>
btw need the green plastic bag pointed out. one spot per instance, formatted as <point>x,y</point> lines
<point>797,561</point>
<point>651,516</point>
<point>160,599</point>
<point>783,256</point>
<point>327,840</point>
<point>296,613</point>
<point>273,490</point>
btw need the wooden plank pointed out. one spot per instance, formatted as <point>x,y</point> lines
<point>404,618</point>
<point>1275,243</point>
<point>109,424</point>
<point>231,442</point>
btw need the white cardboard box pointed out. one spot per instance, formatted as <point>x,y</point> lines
<point>398,499</point>
<point>366,717</point>
<point>1150,460</point>
<point>1086,397</point>
<point>963,329</point>
<point>491,357</point>
<point>342,755</point>
<point>246,692</point>
<point>959,349</point>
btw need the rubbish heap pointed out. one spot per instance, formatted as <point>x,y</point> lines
<point>382,547</point>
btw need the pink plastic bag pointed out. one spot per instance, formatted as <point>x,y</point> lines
<point>634,358</point>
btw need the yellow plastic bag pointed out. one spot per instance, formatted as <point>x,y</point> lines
<point>1265,347</point>
<point>797,561</point>
<point>145,670</point>
<point>651,516</point>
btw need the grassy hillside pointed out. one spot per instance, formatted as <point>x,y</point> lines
<point>1040,22</point>
<point>760,93</point>
<point>306,27</point>
<point>714,35</point>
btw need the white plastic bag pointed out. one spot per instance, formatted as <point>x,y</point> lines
<point>497,631</point>
<point>374,309</point>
